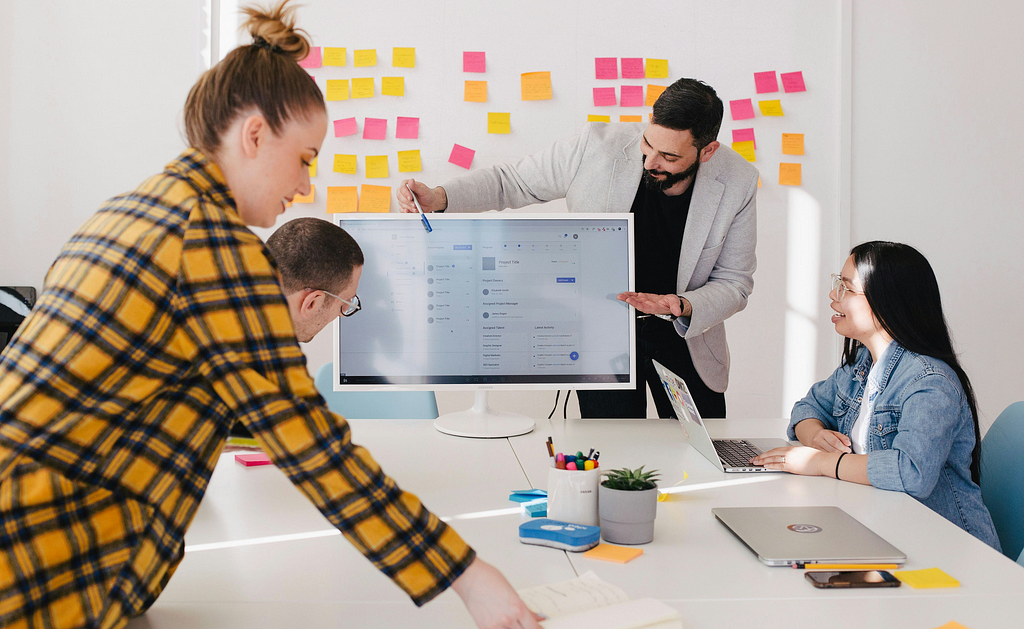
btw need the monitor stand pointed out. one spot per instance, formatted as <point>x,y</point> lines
<point>481,422</point>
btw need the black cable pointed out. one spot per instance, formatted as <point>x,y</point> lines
<point>552,413</point>
<point>566,406</point>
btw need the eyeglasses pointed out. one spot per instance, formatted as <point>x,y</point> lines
<point>351,307</point>
<point>839,286</point>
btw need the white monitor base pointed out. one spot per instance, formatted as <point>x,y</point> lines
<point>481,422</point>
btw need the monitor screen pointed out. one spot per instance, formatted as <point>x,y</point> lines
<point>493,300</point>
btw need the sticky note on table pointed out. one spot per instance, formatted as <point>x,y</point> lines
<point>631,118</point>
<point>365,58</point>
<point>789,174</point>
<point>765,82</point>
<point>376,166</point>
<point>617,554</point>
<point>745,149</point>
<point>500,122</point>
<point>631,96</point>
<point>633,68</point>
<point>536,85</point>
<point>252,460</point>
<point>741,109</point>
<point>375,128</point>
<point>653,92</point>
<point>345,126</point>
<point>656,68</point>
<point>337,89</point>
<point>793,82</point>
<point>744,135</point>
<point>606,67</point>
<point>313,59</point>
<point>335,56</point>
<point>461,156</point>
<point>604,96</point>
<point>345,164</point>
<point>392,86</point>
<point>362,88</point>
<point>342,199</point>
<point>952,624</point>
<point>408,128</point>
<point>476,92</point>
<point>312,168</point>
<point>374,198</point>
<point>474,62</point>
<point>305,198</point>
<point>928,578</point>
<point>792,144</point>
<point>771,107</point>
<point>403,57</point>
<point>598,118</point>
<point>409,161</point>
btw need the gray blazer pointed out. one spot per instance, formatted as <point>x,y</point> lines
<point>599,170</point>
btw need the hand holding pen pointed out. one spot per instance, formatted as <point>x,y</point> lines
<point>426,224</point>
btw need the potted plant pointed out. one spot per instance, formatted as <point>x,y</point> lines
<point>628,503</point>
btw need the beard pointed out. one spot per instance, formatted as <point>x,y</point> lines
<point>670,179</point>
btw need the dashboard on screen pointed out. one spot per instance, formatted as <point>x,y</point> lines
<point>517,300</point>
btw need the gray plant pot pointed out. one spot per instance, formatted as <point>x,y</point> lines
<point>627,517</point>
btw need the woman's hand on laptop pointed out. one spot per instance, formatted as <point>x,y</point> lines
<point>797,460</point>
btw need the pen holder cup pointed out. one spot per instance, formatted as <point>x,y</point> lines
<point>572,496</point>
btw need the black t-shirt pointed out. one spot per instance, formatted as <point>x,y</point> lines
<point>659,221</point>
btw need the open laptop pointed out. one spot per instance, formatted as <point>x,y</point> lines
<point>730,455</point>
<point>783,536</point>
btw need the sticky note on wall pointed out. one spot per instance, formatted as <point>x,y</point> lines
<point>744,135</point>
<point>376,166</point>
<point>604,96</point>
<point>392,86</point>
<point>741,109</point>
<point>789,174</point>
<point>633,68</point>
<point>335,56</point>
<point>793,82</point>
<point>653,92</point>
<point>631,118</point>
<point>461,156</point>
<point>362,88</point>
<point>374,198</point>
<point>409,161</point>
<point>307,198</point>
<point>606,67</point>
<point>312,168</point>
<point>375,128</point>
<point>474,62</point>
<point>313,59</point>
<point>498,122</point>
<point>536,86</point>
<point>631,95</point>
<point>345,126</point>
<point>365,58</point>
<point>408,128</point>
<point>342,199</point>
<point>745,149</point>
<point>657,68</point>
<point>345,164</point>
<point>337,89</point>
<point>792,144</point>
<point>403,57</point>
<point>770,107</point>
<point>476,92</point>
<point>765,82</point>
<point>598,118</point>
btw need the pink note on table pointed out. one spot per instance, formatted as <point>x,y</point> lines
<point>766,82</point>
<point>632,67</point>
<point>604,96</point>
<point>632,96</point>
<point>744,135</point>
<point>606,67</point>
<point>375,128</point>
<point>345,126</point>
<point>408,128</point>
<point>461,156</point>
<point>252,460</point>
<point>313,59</point>
<point>741,109</point>
<point>793,82</point>
<point>474,62</point>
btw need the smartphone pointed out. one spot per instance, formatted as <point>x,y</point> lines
<point>852,579</point>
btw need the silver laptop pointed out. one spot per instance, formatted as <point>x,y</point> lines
<point>730,455</point>
<point>783,536</point>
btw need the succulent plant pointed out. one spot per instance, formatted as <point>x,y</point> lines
<point>625,479</point>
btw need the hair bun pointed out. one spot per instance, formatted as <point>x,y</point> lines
<point>277,26</point>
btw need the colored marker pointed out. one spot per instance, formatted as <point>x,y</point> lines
<point>589,465</point>
<point>426,225</point>
<point>570,466</point>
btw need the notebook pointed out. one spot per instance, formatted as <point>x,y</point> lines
<point>589,602</point>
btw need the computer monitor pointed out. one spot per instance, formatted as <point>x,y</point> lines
<point>489,301</point>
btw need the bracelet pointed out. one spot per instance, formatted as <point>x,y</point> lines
<point>838,461</point>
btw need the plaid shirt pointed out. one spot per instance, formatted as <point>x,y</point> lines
<point>161,323</point>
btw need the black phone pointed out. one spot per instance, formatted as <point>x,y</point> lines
<point>852,579</point>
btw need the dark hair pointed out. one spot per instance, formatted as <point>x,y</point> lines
<point>690,105</point>
<point>314,253</point>
<point>264,75</point>
<point>903,294</point>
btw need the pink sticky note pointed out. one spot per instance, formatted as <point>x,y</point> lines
<point>765,82</point>
<point>741,109</point>
<point>604,96</point>
<point>252,460</point>
<point>408,128</point>
<point>474,62</point>
<point>313,59</point>
<point>793,81</point>
<point>345,126</point>
<point>461,156</point>
<point>744,135</point>
<point>375,128</point>
<point>632,96</point>
<point>606,67</point>
<point>632,67</point>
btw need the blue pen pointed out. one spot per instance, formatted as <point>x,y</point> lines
<point>426,225</point>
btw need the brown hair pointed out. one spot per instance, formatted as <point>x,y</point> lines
<point>264,75</point>
<point>314,253</point>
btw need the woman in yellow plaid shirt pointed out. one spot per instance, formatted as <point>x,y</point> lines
<point>161,323</point>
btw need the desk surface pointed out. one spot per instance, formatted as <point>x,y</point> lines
<point>694,563</point>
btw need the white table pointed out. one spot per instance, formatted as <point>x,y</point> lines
<point>693,564</point>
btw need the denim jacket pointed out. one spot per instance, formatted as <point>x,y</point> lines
<point>921,433</point>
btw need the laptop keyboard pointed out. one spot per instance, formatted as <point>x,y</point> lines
<point>736,452</point>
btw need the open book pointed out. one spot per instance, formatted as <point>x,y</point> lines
<point>592,603</point>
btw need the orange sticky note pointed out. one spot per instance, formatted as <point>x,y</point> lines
<point>376,166</point>
<point>656,68</point>
<point>403,57</point>
<point>345,164</point>
<point>375,198</point>
<point>365,58</point>
<point>759,181</point>
<point>409,161</point>
<point>392,86</point>
<point>305,198</point>
<point>335,56</point>
<point>770,107</point>
<point>792,144</point>
<point>362,88</point>
<point>536,86</point>
<point>952,624</point>
<point>653,92</point>
<point>616,554</point>
<point>598,118</point>
<point>312,168</point>
<point>342,199</point>
<point>745,149</point>
<point>499,122</point>
<point>631,118</point>
<point>476,92</point>
<point>789,174</point>
<point>337,89</point>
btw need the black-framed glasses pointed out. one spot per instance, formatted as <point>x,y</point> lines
<point>350,307</point>
<point>839,286</point>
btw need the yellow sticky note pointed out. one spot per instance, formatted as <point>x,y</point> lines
<point>631,118</point>
<point>375,198</point>
<point>929,578</point>
<point>365,58</point>
<point>409,161</point>
<point>653,92</point>
<point>305,198</point>
<point>759,181</point>
<point>403,57</point>
<point>597,118</point>
<point>745,149</point>
<point>337,89</point>
<point>770,107</point>
<point>376,166</point>
<point>617,554</point>
<point>334,56</point>
<point>789,174</point>
<point>345,164</point>
<point>499,122</point>
<point>392,86</point>
<point>312,168</point>
<point>536,86</point>
<point>361,88</point>
<point>342,199</point>
<point>792,144</point>
<point>656,68</point>
<point>476,92</point>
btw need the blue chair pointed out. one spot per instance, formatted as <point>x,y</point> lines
<point>1002,479</point>
<point>375,404</point>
